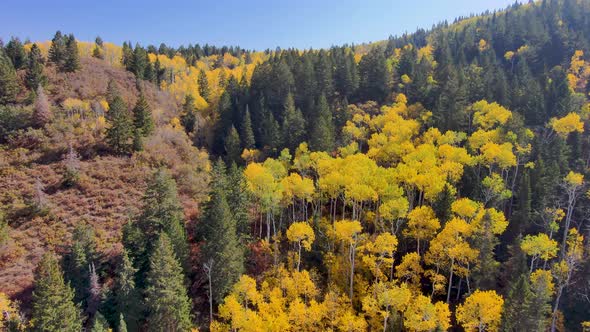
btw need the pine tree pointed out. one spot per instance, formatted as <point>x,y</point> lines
<point>79,260</point>
<point>95,293</point>
<point>232,146</point>
<point>42,109</point>
<point>8,81</point>
<point>112,91</point>
<point>238,197</point>
<point>220,235</point>
<point>167,303</point>
<point>120,133</point>
<point>72,56</point>
<point>97,52</point>
<point>53,308</point>
<point>122,324</point>
<point>57,51</point>
<point>293,128</point>
<point>100,324</point>
<point>247,135</point>
<point>162,213</point>
<point>203,85</point>
<point>188,118</point>
<point>322,133</point>
<point>139,61</point>
<point>126,295</point>
<point>142,116</point>
<point>34,74</point>
<point>519,312</point>
<point>16,53</point>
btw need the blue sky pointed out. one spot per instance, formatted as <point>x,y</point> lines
<point>250,24</point>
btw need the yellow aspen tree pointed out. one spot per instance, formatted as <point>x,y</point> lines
<point>565,268</point>
<point>383,299</point>
<point>539,246</point>
<point>481,311</point>
<point>302,234</point>
<point>422,315</point>
<point>422,224</point>
<point>347,231</point>
<point>378,254</point>
<point>572,184</point>
<point>410,270</point>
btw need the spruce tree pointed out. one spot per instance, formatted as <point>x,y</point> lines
<point>188,118</point>
<point>97,52</point>
<point>247,135</point>
<point>34,73</point>
<point>41,109</point>
<point>139,61</point>
<point>72,56</point>
<point>78,261</point>
<point>119,135</point>
<point>53,308</point>
<point>142,116</point>
<point>221,246</point>
<point>112,91</point>
<point>16,53</point>
<point>100,324</point>
<point>238,197</point>
<point>518,309</point>
<point>232,146</point>
<point>293,128</point>
<point>57,51</point>
<point>203,85</point>
<point>8,81</point>
<point>322,133</point>
<point>162,213</point>
<point>167,303</point>
<point>122,324</point>
<point>126,295</point>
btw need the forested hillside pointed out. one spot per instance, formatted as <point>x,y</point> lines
<point>433,181</point>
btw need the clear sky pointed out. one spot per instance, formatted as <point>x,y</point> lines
<point>251,24</point>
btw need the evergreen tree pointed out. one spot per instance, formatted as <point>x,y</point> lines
<point>127,58</point>
<point>57,51</point>
<point>126,295</point>
<point>374,76</point>
<point>53,308</point>
<point>139,61</point>
<point>166,302</point>
<point>100,324</point>
<point>41,109</point>
<point>112,91</point>
<point>188,118</point>
<point>142,116</point>
<point>16,53</point>
<point>238,197</point>
<point>519,312</point>
<point>203,85</point>
<point>221,246</point>
<point>122,324</point>
<point>247,135</point>
<point>8,81</point>
<point>321,137</point>
<point>232,146</point>
<point>271,138</point>
<point>119,135</point>
<point>72,56</point>
<point>34,74</point>
<point>98,52</point>
<point>293,128</point>
<point>162,213</point>
<point>79,260</point>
